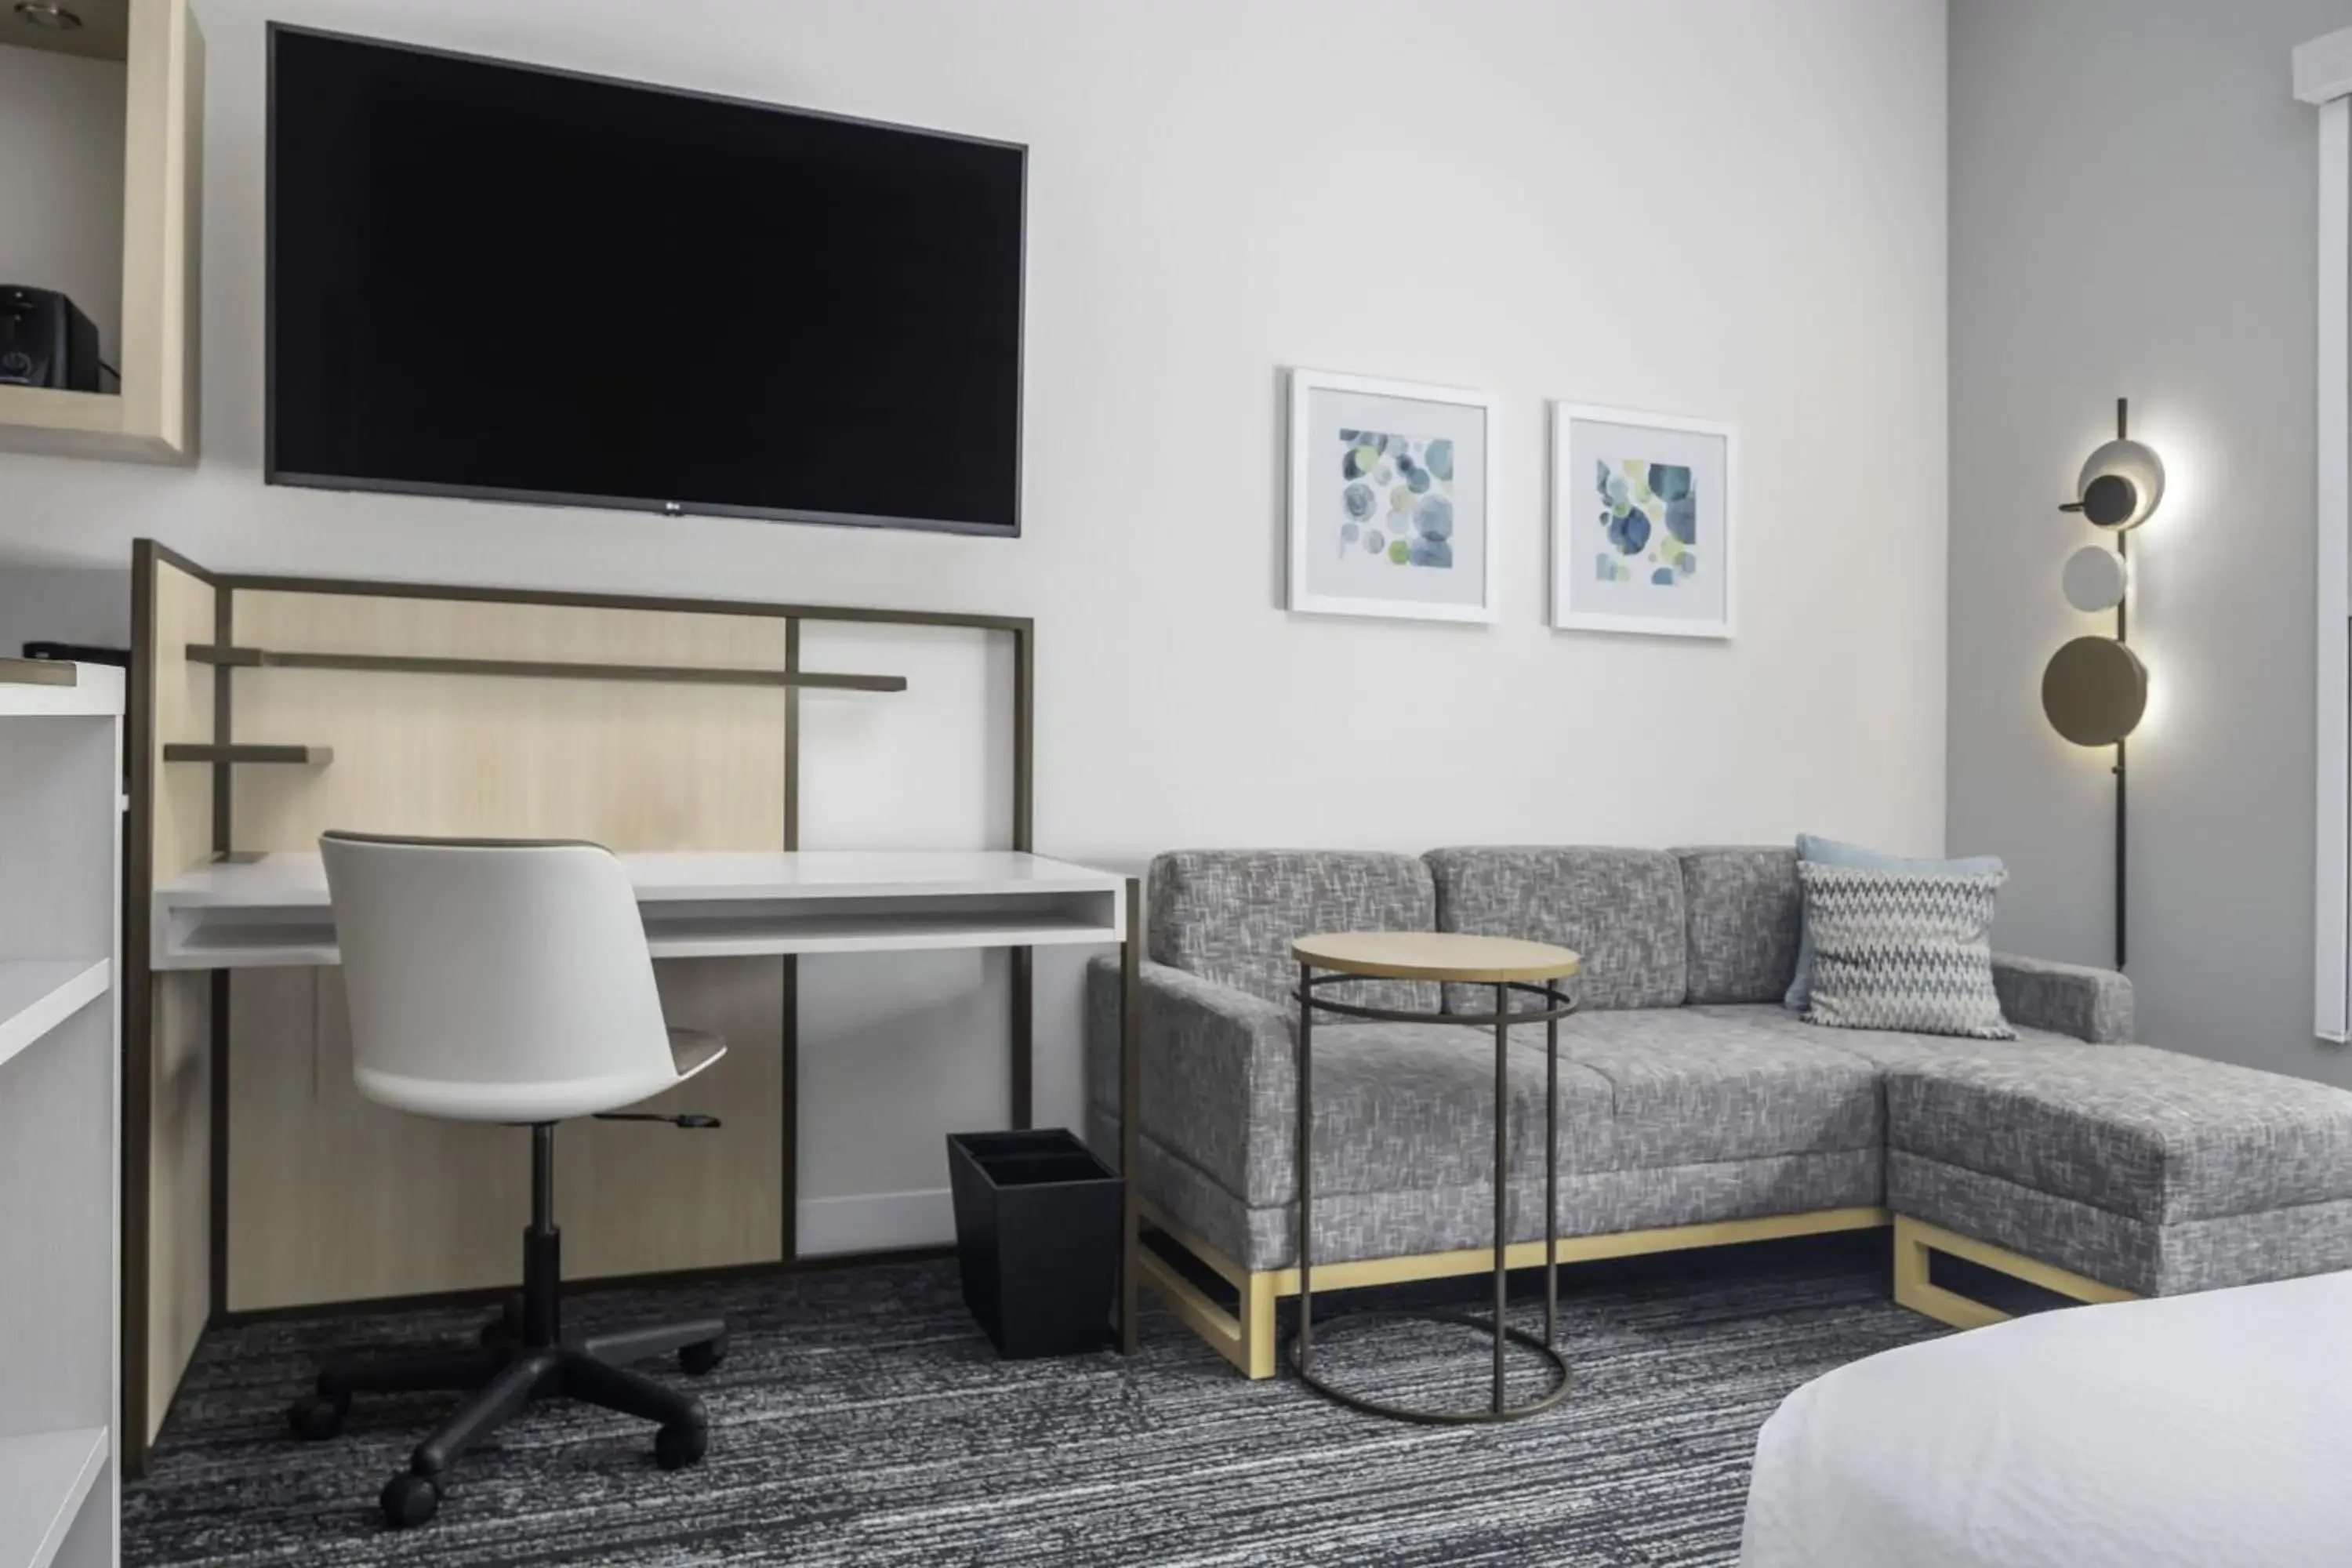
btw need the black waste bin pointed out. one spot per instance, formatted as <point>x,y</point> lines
<point>1037,1235</point>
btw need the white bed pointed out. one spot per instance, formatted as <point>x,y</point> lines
<point>2210,1430</point>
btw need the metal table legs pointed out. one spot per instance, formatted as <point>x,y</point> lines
<point>1557,1006</point>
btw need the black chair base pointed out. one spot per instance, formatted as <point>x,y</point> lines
<point>523,1357</point>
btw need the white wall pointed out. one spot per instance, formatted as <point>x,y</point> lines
<point>87,604</point>
<point>1717,210</point>
<point>2133,203</point>
<point>61,182</point>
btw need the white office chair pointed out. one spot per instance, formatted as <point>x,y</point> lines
<point>502,981</point>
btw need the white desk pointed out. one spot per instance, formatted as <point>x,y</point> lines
<point>272,910</point>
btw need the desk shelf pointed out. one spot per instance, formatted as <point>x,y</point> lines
<point>44,1478</point>
<point>539,669</point>
<point>274,911</point>
<point>294,756</point>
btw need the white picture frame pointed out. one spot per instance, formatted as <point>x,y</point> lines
<point>1341,556</point>
<point>1649,595</point>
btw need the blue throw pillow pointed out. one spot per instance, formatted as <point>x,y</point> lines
<point>1830,852</point>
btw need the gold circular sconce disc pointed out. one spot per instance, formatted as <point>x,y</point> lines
<point>2095,691</point>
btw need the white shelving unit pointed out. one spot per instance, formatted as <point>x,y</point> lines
<point>61,1055</point>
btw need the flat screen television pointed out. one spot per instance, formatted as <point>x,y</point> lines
<point>496,280</point>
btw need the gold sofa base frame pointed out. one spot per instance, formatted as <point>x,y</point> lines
<point>1244,1335</point>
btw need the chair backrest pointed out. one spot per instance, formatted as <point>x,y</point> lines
<point>495,980</point>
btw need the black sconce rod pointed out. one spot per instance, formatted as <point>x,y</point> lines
<point>2122,433</point>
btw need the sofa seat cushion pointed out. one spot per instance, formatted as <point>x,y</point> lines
<point>1889,1047</point>
<point>2152,1134</point>
<point>1620,910</point>
<point>1689,1086</point>
<point>1352,1225</point>
<point>1410,1106</point>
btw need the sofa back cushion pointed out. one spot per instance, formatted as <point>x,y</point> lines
<point>1230,915</point>
<point>1747,914</point>
<point>1621,909</point>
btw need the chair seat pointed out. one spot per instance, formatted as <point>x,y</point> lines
<point>556,1099</point>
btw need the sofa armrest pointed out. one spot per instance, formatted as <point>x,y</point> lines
<point>1215,1062</point>
<point>2092,1004</point>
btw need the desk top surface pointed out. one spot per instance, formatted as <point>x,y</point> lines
<point>294,879</point>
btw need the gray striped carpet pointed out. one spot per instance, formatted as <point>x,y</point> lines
<point>861,1419</point>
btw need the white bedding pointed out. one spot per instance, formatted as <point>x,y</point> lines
<point>2196,1430</point>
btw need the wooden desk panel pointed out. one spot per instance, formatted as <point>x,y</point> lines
<point>334,1199</point>
<point>331,1198</point>
<point>651,766</point>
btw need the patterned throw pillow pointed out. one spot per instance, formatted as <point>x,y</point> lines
<point>1834,852</point>
<point>1903,950</point>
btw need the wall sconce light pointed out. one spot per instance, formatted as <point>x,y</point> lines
<point>2094,688</point>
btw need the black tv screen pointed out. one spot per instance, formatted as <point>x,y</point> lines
<point>495,281</point>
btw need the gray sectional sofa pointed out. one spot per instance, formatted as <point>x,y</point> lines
<point>1695,1110</point>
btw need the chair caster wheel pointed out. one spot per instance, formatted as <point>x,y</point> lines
<point>409,1500</point>
<point>695,1360</point>
<point>315,1418</point>
<point>677,1447</point>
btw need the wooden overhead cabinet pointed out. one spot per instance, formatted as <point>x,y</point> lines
<point>152,338</point>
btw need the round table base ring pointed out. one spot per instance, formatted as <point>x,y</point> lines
<point>1518,1336</point>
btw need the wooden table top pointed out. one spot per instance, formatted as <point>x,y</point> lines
<point>1435,955</point>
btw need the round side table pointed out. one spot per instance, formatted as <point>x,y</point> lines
<point>1507,966</point>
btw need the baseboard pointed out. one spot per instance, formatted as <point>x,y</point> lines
<point>873,1221</point>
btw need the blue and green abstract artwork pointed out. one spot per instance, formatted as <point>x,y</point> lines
<point>1398,502</point>
<point>1648,518</point>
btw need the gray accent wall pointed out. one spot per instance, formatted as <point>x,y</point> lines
<point>2133,212</point>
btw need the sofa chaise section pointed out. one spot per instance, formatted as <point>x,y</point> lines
<point>2112,1171</point>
